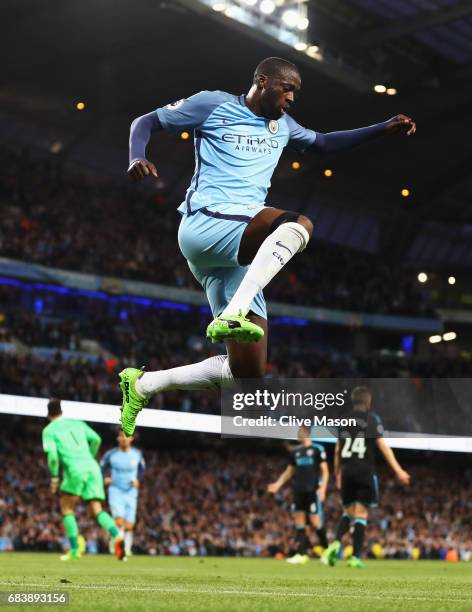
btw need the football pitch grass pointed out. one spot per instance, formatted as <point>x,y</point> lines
<point>226,584</point>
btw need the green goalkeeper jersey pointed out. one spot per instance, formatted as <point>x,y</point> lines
<point>70,443</point>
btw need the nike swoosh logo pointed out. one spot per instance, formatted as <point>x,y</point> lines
<point>278,243</point>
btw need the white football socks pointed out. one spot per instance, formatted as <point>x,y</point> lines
<point>211,373</point>
<point>128,542</point>
<point>276,251</point>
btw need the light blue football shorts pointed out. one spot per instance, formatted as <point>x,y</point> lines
<point>209,239</point>
<point>123,504</point>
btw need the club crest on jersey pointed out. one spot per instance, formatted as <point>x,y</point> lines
<point>273,126</point>
<point>175,105</point>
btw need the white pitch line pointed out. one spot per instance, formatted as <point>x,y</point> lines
<point>182,590</point>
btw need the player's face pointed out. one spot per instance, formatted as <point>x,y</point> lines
<point>279,94</point>
<point>303,433</point>
<point>123,442</point>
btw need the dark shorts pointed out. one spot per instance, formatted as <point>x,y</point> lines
<point>360,488</point>
<point>308,502</point>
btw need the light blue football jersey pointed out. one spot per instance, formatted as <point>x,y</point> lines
<point>124,466</point>
<point>236,151</point>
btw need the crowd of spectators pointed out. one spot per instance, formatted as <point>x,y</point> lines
<point>78,359</point>
<point>212,500</point>
<point>75,347</point>
<point>76,223</point>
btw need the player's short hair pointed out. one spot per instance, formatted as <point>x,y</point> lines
<point>118,431</point>
<point>54,407</point>
<point>304,431</point>
<point>361,396</point>
<point>274,67</point>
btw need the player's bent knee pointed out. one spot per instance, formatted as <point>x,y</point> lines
<point>67,504</point>
<point>307,224</point>
<point>67,508</point>
<point>292,217</point>
<point>95,507</point>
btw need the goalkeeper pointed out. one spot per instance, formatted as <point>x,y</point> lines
<point>73,445</point>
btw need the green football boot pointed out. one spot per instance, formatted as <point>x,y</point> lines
<point>72,555</point>
<point>82,544</point>
<point>234,327</point>
<point>332,552</point>
<point>356,562</point>
<point>132,401</point>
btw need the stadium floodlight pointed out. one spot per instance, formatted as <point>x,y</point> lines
<point>380,89</point>
<point>422,277</point>
<point>391,91</point>
<point>435,339</point>
<point>233,12</point>
<point>250,2</point>
<point>300,46</point>
<point>291,18</point>
<point>267,7</point>
<point>219,7</point>
<point>313,51</point>
<point>448,336</point>
<point>451,280</point>
<point>303,23</point>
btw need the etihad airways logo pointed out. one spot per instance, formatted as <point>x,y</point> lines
<point>252,144</point>
<point>243,139</point>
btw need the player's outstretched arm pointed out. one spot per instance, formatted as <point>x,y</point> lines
<point>402,476</point>
<point>286,475</point>
<point>140,134</point>
<point>333,142</point>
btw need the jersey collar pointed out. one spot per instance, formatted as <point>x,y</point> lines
<point>242,101</point>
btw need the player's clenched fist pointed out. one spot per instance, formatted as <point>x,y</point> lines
<point>403,477</point>
<point>141,168</point>
<point>403,124</point>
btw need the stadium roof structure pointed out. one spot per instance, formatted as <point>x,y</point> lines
<point>362,42</point>
<point>123,59</point>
